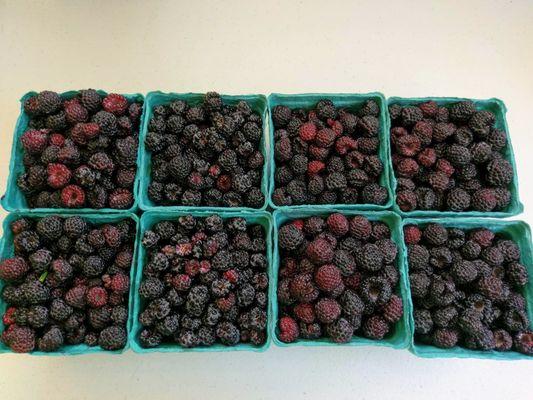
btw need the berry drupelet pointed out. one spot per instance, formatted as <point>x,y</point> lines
<point>67,283</point>
<point>466,287</point>
<point>451,159</point>
<point>338,278</point>
<point>327,155</point>
<point>80,152</point>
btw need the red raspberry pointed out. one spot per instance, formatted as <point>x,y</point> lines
<point>72,196</point>
<point>352,281</point>
<point>314,167</point>
<point>328,277</point>
<point>120,198</point>
<point>338,224</point>
<point>360,227</point>
<point>20,339</point>
<point>375,327</point>
<point>181,282</point>
<point>225,304</point>
<point>58,175</point>
<point>393,310</point>
<point>398,132</point>
<point>118,282</point>
<point>429,108</point>
<point>408,145</point>
<point>124,258</point>
<point>96,297</point>
<point>195,180</point>
<point>214,171</point>
<point>231,275</point>
<point>345,144</point>
<point>407,168</point>
<point>68,154</point>
<point>325,137</point>
<point>289,331</point>
<point>318,153</point>
<point>31,105</point>
<point>406,200</point>
<point>305,312</point>
<point>198,237</point>
<point>224,183</point>
<point>57,139</point>
<point>327,310</point>
<point>13,269</point>
<point>115,103</point>
<point>205,266</point>
<point>76,297</point>
<point>427,157</point>
<point>183,249</point>
<point>112,235</point>
<point>482,236</point>
<point>336,126</point>
<point>83,132</point>
<point>308,131</point>
<point>34,141</point>
<point>412,234</point>
<point>320,251</point>
<point>77,135</point>
<point>192,267</point>
<point>445,166</point>
<point>303,289</point>
<point>210,248</point>
<point>75,112</point>
<point>9,316</point>
<point>298,223</point>
<point>424,131</point>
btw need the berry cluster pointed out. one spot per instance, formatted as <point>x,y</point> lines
<point>337,279</point>
<point>206,154</point>
<point>467,289</point>
<point>449,158</point>
<point>80,152</point>
<point>67,283</point>
<point>205,281</point>
<point>327,155</point>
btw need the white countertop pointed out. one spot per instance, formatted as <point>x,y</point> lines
<point>477,49</point>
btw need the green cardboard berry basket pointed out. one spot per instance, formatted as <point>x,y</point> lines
<point>7,250</point>
<point>257,102</point>
<point>351,102</point>
<point>518,231</point>
<point>498,108</point>
<point>14,199</point>
<point>400,336</point>
<point>148,219</point>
